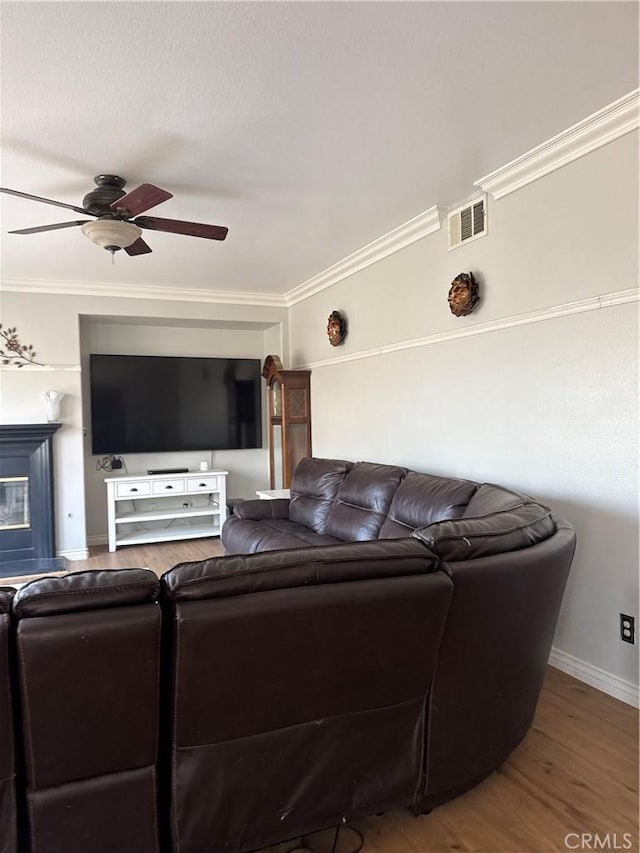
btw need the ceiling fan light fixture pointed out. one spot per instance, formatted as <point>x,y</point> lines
<point>111,234</point>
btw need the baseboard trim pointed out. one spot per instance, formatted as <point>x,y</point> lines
<point>74,554</point>
<point>592,675</point>
<point>101,539</point>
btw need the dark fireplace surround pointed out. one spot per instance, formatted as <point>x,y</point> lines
<point>27,450</point>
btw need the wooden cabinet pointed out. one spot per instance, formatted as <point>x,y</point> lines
<point>289,398</point>
<point>160,508</point>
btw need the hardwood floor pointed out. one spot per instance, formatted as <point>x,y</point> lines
<point>157,557</point>
<point>571,785</point>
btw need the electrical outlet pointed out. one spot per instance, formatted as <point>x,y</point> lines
<point>186,504</point>
<point>627,628</point>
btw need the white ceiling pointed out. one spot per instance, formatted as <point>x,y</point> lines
<point>308,128</point>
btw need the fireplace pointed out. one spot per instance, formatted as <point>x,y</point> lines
<point>27,523</point>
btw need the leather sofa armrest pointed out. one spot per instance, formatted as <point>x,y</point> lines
<point>6,596</point>
<point>256,510</point>
<point>495,533</point>
<point>220,577</point>
<point>92,590</point>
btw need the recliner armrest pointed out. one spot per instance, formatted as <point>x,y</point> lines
<point>88,590</point>
<point>495,533</point>
<point>220,577</point>
<point>256,510</point>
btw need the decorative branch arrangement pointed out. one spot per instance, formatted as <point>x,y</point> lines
<point>13,352</point>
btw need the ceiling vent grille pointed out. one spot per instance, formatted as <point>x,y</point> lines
<point>468,222</point>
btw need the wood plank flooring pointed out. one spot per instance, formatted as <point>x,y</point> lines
<point>571,785</point>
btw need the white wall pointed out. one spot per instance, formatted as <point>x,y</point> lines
<point>547,404</point>
<point>65,328</point>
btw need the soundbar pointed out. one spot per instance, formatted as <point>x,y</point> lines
<point>167,470</point>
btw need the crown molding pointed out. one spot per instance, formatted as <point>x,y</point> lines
<point>142,291</point>
<point>593,303</point>
<point>415,229</point>
<point>596,130</point>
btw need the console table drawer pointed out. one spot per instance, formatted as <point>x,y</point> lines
<point>202,484</point>
<point>125,490</point>
<point>167,487</point>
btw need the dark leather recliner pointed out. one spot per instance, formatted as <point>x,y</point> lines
<point>8,818</point>
<point>299,681</point>
<point>88,670</point>
<point>508,559</point>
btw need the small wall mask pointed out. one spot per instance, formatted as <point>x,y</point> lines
<point>463,294</point>
<point>336,328</point>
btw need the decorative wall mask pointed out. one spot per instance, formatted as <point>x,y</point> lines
<point>463,294</point>
<point>336,328</point>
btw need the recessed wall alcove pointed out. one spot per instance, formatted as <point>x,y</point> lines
<point>27,520</point>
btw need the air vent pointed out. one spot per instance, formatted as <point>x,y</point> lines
<point>468,222</point>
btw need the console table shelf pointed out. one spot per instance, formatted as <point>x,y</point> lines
<point>162,514</point>
<point>192,505</point>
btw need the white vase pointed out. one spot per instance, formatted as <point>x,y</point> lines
<point>51,401</point>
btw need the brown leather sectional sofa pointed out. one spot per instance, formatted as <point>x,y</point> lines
<point>248,699</point>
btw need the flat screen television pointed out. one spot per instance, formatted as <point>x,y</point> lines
<point>157,404</point>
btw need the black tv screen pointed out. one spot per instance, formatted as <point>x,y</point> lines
<point>154,404</point>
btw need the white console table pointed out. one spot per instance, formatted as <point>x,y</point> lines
<point>273,494</point>
<point>145,508</point>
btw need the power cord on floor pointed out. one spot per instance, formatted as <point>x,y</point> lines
<point>305,845</point>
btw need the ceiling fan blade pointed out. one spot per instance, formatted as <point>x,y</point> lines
<point>40,228</point>
<point>177,226</point>
<point>141,199</point>
<point>138,248</point>
<point>46,201</point>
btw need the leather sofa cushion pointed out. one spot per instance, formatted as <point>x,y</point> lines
<point>221,577</point>
<point>114,812</point>
<point>422,499</point>
<point>506,530</point>
<point>6,597</point>
<point>89,692</point>
<point>246,536</point>
<point>257,509</point>
<point>314,486</point>
<point>363,501</point>
<point>490,498</point>
<point>90,590</point>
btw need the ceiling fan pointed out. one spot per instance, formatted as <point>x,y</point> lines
<point>115,228</point>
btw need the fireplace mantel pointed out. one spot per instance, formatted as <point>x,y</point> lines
<point>26,454</point>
